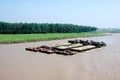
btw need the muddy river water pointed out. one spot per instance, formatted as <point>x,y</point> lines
<point>96,64</point>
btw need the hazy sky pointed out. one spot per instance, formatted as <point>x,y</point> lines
<point>99,13</point>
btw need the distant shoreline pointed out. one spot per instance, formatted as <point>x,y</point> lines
<point>23,38</point>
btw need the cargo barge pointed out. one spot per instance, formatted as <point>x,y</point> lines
<point>73,47</point>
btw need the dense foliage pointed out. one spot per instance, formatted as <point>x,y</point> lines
<point>25,28</point>
<point>109,30</point>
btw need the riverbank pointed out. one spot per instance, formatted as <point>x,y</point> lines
<point>21,38</point>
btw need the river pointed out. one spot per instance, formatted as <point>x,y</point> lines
<point>96,64</point>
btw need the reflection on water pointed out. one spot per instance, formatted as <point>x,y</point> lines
<point>97,64</point>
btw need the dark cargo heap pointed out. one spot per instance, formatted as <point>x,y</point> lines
<point>73,47</point>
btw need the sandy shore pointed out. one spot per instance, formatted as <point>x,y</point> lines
<point>97,64</point>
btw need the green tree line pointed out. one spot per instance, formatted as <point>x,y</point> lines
<point>28,28</point>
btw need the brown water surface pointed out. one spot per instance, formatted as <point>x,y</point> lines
<point>97,64</point>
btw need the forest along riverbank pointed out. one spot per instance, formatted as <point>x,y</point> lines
<point>96,64</point>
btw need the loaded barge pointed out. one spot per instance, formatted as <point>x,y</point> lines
<point>73,47</point>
